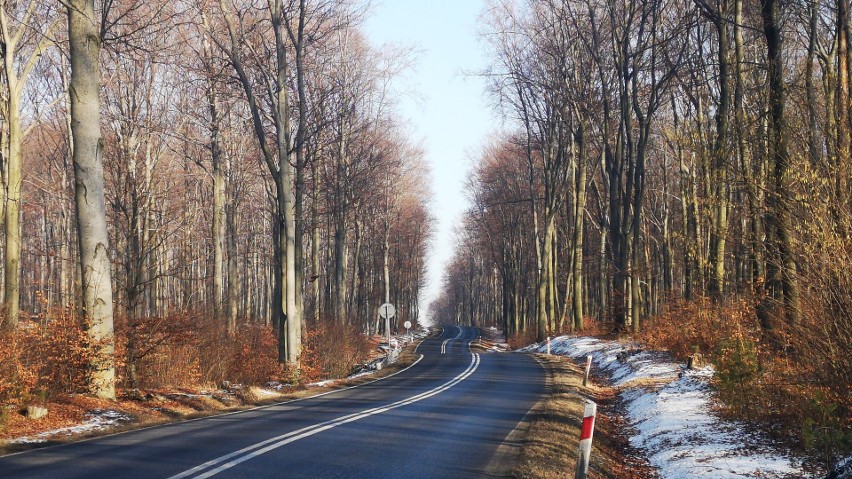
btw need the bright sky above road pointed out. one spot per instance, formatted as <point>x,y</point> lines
<point>448,111</point>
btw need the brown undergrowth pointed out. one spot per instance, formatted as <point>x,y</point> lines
<point>186,367</point>
<point>551,446</point>
<point>792,380</point>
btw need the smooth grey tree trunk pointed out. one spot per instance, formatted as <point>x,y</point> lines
<point>219,199</point>
<point>84,39</point>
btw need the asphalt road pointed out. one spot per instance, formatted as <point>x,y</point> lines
<point>442,418</point>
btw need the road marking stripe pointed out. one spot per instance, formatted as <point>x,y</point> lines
<point>199,419</point>
<point>265,446</point>
<point>444,346</point>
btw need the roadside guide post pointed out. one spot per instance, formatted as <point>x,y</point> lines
<point>588,368</point>
<point>586,440</point>
<point>548,345</point>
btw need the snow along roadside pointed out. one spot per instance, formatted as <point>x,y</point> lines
<point>673,422</point>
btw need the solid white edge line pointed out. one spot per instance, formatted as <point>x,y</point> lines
<point>258,449</point>
<point>170,424</point>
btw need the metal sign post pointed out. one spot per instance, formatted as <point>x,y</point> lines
<point>387,311</point>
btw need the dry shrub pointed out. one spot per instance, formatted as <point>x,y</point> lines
<point>43,358</point>
<point>254,355</point>
<point>522,339</point>
<point>161,349</point>
<point>700,326</point>
<point>190,349</point>
<point>819,369</point>
<point>594,326</point>
<point>63,354</point>
<point>174,366</point>
<point>795,379</point>
<point>332,349</point>
<point>728,334</point>
<point>820,344</point>
<point>16,379</point>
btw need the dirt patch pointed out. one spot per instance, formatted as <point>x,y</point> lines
<point>550,449</point>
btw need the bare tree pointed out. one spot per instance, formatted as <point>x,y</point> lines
<point>26,31</point>
<point>84,39</point>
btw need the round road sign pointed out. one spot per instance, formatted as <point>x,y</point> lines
<point>407,324</point>
<point>387,311</point>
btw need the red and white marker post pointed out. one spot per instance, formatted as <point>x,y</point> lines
<point>586,440</point>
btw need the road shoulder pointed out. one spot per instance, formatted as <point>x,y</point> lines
<point>507,455</point>
<point>549,447</point>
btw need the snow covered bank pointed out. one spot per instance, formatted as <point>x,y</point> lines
<point>670,409</point>
<point>97,420</point>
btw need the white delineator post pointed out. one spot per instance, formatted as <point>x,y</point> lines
<point>588,368</point>
<point>548,345</point>
<point>586,440</point>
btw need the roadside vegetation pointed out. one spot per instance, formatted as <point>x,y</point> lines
<point>676,172</point>
<point>199,193</point>
<point>552,440</point>
<point>194,376</point>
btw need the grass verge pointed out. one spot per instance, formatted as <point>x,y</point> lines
<point>550,448</point>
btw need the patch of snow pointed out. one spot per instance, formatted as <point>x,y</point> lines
<point>97,420</point>
<point>842,470</point>
<point>265,393</point>
<point>321,384</point>
<point>277,386</point>
<point>673,422</point>
<point>360,375</point>
<point>188,395</point>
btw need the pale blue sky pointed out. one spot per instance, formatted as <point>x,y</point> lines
<point>449,112</point>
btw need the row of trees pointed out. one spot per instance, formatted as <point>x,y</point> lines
<point>254,165</point>
<point>660,149</point>
<point>680,167</point>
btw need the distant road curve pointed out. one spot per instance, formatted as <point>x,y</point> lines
<point>442,418</point>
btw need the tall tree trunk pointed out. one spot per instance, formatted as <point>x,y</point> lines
<point>544,276</point>
<point>219,210</point>
<point>781,271</point>
<point>233,273</point>
<point>84,40</point>
<point>579,218</point>
<point>810,91</point>
<point>12,264</point>
<point>16,70</point>
<point>356,265</point>
<point>315,250</point>
<point>719,173</point>
<point>285,183</point>
<point>844,119</point>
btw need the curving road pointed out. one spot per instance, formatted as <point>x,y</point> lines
<point>443,417</point>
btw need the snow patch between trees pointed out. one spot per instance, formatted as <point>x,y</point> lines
<point>671,411</point>
<point>96,420</point>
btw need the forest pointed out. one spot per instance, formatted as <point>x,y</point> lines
<point>199,191</point>
<point>677,171</point>
<point>207,190</point>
